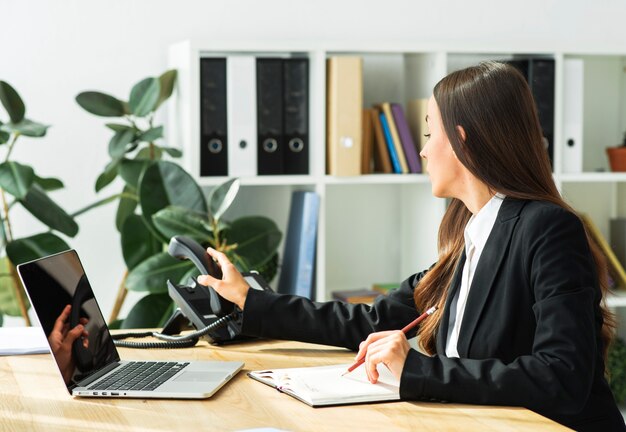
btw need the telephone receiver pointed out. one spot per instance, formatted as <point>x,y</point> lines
<point>182,247</point>
<point>217,318</point>
<point>82,356</point>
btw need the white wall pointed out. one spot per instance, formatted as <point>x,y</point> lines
<point>52,50</point>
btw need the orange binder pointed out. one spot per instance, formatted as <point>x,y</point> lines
<point>368,142</point>
<point>382,162</point>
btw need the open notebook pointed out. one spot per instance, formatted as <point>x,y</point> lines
<point>324,385</point>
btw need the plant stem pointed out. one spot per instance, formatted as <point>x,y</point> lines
<point>7,235</point>
<point>104,201</point>
<point>11,145</point>
<point>119,300</point>
<point>8,232</point>
<point>19,293</point>
<point>151,144</point>
<point>216,235</point>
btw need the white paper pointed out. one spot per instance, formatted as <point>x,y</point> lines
<point>23,340</point>
<point>325,385</point>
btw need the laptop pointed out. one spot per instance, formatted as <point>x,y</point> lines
<point>91,366</point>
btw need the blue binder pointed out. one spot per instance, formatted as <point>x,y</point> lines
<point>297,275</point>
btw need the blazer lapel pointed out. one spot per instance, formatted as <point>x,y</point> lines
<point>487,269</point>
<point>442,332</point>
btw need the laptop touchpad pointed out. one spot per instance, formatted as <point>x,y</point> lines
<point>200,376</point>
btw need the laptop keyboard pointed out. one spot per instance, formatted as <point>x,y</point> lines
<point>144,376</point>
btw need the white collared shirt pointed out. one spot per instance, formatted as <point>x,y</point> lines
<point>476,234</point>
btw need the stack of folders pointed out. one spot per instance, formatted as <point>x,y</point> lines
<point>254,116</point>
<point>381,139</point>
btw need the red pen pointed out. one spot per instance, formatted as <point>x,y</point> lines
<point>405,330</point>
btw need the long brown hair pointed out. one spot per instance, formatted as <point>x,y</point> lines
<point>503,148</point>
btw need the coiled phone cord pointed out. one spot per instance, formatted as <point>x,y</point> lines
<point>172,341</point>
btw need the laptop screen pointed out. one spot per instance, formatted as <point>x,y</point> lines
<point>62,299</point>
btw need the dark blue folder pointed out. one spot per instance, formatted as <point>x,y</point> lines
<point>297,275</point>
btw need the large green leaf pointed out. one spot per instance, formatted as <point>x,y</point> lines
<point>4,136</point>
<point>257,239</point>
<point>47,211</point>
<point>101,104</point>
<point>108,175</point>
<point>37,246</point>
<point>12,102</point>
<point>119,142</point>
<point>16,178</point>
<point>138,243</point>
<point>116,127</point>
<point>125,208</point>
<point>166,184</point>
<point>172,221</point>
<point>152,153</point>
<point>222,196</point>
<point>131,169</point>
<point>167,81</point>
<point>144,96</point>
<point>173,152</point>
<point>26,127</point>
<point>8,299</point>
<point>49,183</point>
<point>152,134</point>
<point>149,312</point>
<point>152,274</point>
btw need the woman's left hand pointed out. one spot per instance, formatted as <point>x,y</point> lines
<point>389,348</point>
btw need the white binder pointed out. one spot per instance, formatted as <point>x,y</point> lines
<point>241,109</point>
<point>573,87</point>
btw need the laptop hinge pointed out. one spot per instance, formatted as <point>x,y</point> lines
<point>96,375</point>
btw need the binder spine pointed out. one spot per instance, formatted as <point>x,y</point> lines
<point>541,77</point>
<point>395,162</point>
<point>270,143</point>
<point>296,115</point>
<point>573,76</point>
<point>412,158</point>
<point>213,118</point>
<point>242,128</point>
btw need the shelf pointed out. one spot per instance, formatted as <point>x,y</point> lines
<point>305,180</point>
<point>396,229</point>
<point>616,299</point>
<point>378,179</point>
<point>597,177</point>
<point>282,180</point>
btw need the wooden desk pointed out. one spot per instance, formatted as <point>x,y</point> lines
<point>33,397</point>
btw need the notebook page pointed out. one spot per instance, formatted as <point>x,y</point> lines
<point>325,385</point>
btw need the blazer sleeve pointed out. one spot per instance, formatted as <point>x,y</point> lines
<point>281,316</point>
<point>557,374</point>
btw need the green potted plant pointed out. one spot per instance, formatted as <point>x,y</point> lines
<point>21,186</point>
<point>617,156</point>
<point>160,199</point>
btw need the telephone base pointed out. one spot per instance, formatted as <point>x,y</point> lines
<point>176,323</point>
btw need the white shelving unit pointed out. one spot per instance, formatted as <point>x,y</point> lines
<point>381,227</point>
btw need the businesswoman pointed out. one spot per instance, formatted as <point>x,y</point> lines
<point>518,282</point>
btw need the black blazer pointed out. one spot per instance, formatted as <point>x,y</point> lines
<point>530,334</point>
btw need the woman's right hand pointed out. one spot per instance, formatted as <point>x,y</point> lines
<point>233,287</point>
